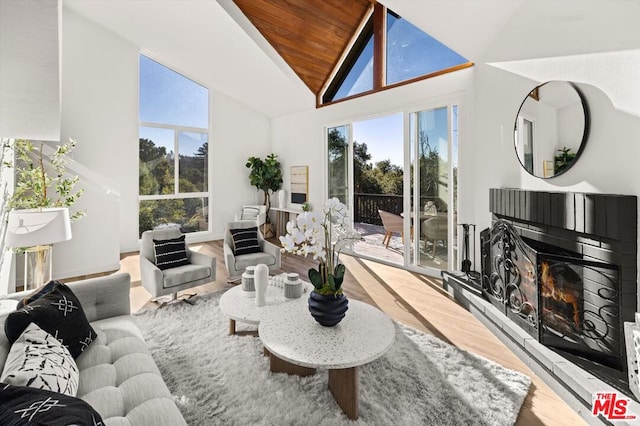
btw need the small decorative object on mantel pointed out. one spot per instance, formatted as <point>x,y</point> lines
<point>248,285</point>
<point>261,282</point>
<point>323,234</point>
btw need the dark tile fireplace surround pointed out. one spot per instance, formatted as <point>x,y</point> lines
<point>558,281</point>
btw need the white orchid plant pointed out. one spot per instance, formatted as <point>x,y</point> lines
<point>324,235</point>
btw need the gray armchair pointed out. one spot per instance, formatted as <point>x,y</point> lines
<point>269,255</point>
<point>200,270</point>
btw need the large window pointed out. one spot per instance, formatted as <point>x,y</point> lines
<point>389,51</point>
<point>173,150</point>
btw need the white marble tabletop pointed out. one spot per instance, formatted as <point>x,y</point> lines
<point>293,335</point>
<point>238,307</point>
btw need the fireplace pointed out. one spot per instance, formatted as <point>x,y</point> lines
<point>563,267</point>
<point>558,297</point>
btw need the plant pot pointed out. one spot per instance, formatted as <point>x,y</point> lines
<point>328,310</point>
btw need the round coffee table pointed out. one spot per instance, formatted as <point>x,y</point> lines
<point>299,345</point>
<point>238,307</point>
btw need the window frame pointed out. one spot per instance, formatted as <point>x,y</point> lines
<point>378,21</point>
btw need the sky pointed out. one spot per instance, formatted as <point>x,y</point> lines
<point>170,98</point>
<point>167,97</point>
<point>383,136</point>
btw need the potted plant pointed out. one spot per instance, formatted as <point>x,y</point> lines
<point>41,180</point>
<point>563,160</point>
<point>265,175</point>
<point>42,186</point>
<point>324,235</point>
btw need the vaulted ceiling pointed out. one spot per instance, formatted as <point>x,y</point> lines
<point>310,35</point>
<point>214,42</point>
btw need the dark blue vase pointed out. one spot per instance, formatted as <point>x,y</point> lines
<point>328,309</point>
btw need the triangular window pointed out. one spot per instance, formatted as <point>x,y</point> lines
<point>409,54</point>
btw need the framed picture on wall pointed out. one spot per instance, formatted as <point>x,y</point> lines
<point>299,184</point>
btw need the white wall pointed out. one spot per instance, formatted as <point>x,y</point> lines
<point>29,69</point>
<point>100,111</point>
<point>609,162</point>
<point>238,133</point>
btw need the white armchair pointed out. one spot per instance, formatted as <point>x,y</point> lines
<point>200,270</point>
<point>269,253</point>
<point>253,212</point>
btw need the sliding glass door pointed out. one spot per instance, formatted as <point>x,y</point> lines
<point>338,163</point>
<point>404,184</point>
<point>433,145</point>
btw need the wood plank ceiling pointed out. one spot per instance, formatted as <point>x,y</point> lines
<point>310,35</point>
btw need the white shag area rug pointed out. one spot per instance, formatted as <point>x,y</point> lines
<point>218,379</point>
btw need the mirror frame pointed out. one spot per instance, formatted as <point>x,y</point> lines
<point>585,134</point>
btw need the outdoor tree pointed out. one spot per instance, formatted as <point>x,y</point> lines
<point>157,178</point>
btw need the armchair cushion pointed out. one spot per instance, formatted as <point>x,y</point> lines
<point>184,274</point>
<point>40,361</point>
<point>253,259</point>
<point>60,314</point>
<point>170,253</point>
<point>245,241</point>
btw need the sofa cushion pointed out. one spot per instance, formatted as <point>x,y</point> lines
<point>21,405</point>
<point>40,361</point>
<point>170,253</point>
<point>120,379</point>
<point>60,314</point>
<point>245,241</point>
<point>184,274</point>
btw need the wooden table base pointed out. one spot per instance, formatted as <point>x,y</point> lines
<point>343,383</point>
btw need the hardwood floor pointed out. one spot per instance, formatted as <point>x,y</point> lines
<point>409,298</point>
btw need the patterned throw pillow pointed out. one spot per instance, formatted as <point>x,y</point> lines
<point>21,405</point>
<point>38,360</point>
<point>249,213</point>
<point>245,241</point>
<point>60,314</point>
<point>170,253</point>
<point>38,293</point>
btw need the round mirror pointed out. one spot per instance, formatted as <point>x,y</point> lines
<point>551,128</point>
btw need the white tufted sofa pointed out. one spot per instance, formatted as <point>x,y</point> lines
<point>118,376</point>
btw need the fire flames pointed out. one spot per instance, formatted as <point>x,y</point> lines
<point>552,290</point>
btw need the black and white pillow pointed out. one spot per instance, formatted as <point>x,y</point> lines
<point>40,361</point>
<point>21,405</point>
<point>38,293</point>
<point>170,253</point>
<point>245,241</point>
<point>249,213</point>
<point>60,314</point>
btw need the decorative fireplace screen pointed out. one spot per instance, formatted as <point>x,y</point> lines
<point>561,299</point>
